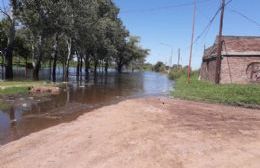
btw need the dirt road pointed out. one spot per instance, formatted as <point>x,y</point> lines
<point>146,133</point>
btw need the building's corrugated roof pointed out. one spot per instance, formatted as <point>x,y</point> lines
<point>236,45</point>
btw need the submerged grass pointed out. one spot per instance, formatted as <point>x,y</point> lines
<point>9,84</point>
<point>19,87</point>
<point>4,105</point>
<point>234,94</point>
<point>14,90</point>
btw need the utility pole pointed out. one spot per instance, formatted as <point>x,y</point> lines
<point>192,40</point>
<point>219,55</point>
<point>179,56</point>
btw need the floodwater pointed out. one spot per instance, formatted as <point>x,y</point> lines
<point>31,114</point>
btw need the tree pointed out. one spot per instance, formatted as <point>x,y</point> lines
<point>131,53</point>
<point>44,20</point>
<point>159,67</point>
<point>11,17</point>
<point>58,31</point>
<point>3,42</point>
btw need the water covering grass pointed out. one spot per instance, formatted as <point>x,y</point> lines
<point>234,94</point>
<point>19,87</point>
<point>10,84</point>
<point>14,90</point>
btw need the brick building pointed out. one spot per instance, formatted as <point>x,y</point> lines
<point>240,61</point>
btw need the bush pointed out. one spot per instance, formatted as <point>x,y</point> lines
<point>159,67</point>
<point>177,73</point>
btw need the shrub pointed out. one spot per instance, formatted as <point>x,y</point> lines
<point>159,67</point>
<point>177,73</point>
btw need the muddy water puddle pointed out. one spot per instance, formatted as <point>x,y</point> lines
<point>30,114</point>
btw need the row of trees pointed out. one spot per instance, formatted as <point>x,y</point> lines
<point>161,67</point>
<point>59,32</point>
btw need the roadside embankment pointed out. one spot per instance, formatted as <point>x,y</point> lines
<point>232,94</point>
<point>150,132</point>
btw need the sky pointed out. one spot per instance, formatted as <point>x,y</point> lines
<point>166,24</point>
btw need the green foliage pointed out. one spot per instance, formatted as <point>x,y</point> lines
<point>21,46</point>
<point>14,90</point>
<point>60,31</point>
<point>21,87</point>
<point>159,67</point>
<point>3,35</point>
<point>4,105</point>
<point>176,73</point>
<point>234,94</point>
<point>148,67</point>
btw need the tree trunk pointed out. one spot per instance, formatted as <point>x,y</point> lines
<point>78,67</point>
<point>37,66</point>
<point>54,66</point>
<point>9,64</point>
<point>11,40</point>
<point>26,70</point>
<point>36,71</point>
<point>66,75</point>
<point>3,62</point>
<point>63,71</point>
<point>50,70</point>
<point>95,67</point>
<point>10,48</point>
<point>106,67</point>
<point>119,68</point>
<point>102,66</point>
<point>67,71</point>
<point>87,65</point>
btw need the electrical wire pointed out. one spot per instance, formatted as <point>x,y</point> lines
<point>207,28</point>
<point>162,7</point>
<point>245,17</point>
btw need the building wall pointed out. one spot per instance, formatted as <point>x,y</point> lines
<point>234,69</point>
<point>208,70</point>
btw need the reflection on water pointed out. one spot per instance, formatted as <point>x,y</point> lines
<point>31,114</point>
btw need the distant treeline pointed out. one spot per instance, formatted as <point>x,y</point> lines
<point>87,34</point>
<point>174,72</point>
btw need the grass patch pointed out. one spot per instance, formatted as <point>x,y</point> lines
<point>234,94</point>
<point>20,87</point>
<point>14,90</point>
<point>4,105</point>
<point>176,73</point>
<point>10,84</point>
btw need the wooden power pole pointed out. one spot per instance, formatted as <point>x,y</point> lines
<point>171,59</point>
<point>219,52</point>
<point>192,40</point>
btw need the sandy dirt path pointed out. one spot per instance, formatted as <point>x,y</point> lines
<point>145,133</point>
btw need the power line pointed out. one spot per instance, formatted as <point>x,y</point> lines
<point>163,7</point>
<point>245,17</point>
<point>206,29</point>
<point>208,26</point>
